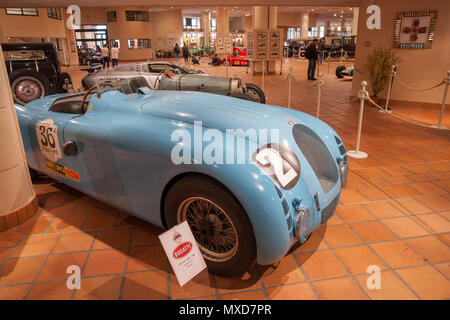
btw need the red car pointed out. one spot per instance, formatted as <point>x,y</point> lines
<point>239,58</point>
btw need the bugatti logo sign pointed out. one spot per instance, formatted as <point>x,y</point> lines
<point>182,250</point>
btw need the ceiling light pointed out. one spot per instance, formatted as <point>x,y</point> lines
<point>335,14</point>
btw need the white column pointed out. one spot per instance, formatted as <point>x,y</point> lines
<point>265,18</point>
<point>223,25</point>
<point>206,26</point>
<point>355,21</point>
<point>305,24</point>
<point>16,189</point>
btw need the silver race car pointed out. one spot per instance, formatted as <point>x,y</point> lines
<point>168,76</point>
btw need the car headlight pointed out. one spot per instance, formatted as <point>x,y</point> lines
<point>280,163</point>
<point>301,227</point>
<point>343,171</point>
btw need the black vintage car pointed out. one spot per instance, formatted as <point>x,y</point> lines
<point>347,44</point>
<point>88,56</point>
<point>34,71</point>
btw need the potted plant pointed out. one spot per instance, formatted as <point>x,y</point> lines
<point>379,64</point>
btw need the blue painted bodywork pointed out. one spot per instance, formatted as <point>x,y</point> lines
<point>125,150</point>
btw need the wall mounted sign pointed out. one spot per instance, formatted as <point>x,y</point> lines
<point>264,44</point>
<point>415,29</point>
<point>183,253</point>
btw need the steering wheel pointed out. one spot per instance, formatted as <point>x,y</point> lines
<point>83,101</point>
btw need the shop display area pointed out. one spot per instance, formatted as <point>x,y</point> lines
<point>394,213</point>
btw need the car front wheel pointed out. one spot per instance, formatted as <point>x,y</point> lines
<point>219,224</point>
<point>339,69</point>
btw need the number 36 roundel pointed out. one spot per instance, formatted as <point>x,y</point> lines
<point>280,163</point>
<point>47,136</point>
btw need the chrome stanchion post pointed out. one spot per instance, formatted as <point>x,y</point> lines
<point>226,68</point>
<point>389,88</point>
<point>328,59</point>
<point>251,71</point>
<point>320,83</point>
<point>363,95</point>
<point>342,53</point>
<point>263,72</point>
<point>444,100</point>
<point>289,86</point>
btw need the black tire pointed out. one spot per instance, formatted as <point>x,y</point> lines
<point>301,55</point>
<point>33,174</point>
<point>201,188</point>
<point>257,92</point>
<point>38,86</point>
<point>339,69</point>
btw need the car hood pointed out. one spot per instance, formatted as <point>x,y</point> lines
<point>222,112</point>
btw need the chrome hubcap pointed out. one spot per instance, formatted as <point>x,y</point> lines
<point>27,90</point>
<point>213,229</point>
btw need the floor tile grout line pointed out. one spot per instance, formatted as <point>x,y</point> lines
<point>79,251</point>
<point>124,274</point>
<point>216,287</point>
<point>381,259</point>
<point>402,240</point>
<point>88,255</point>
<point>266,294</point>
<point>236,291</point>
<point>305,276</point>
<point>40,269</point>
<point>12,252</point>
<point>345,267</point>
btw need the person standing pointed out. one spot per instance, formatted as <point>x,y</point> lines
<point>115,55</point>
<point>185,52</point>
<point>105,56</point>
<point>311,54</point>
<point>176,51</point>
<point>321,50</point>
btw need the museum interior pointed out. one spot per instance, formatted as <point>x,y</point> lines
<point>210,150</point>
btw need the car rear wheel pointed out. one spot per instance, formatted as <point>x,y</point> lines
<point>220,226</point>
<point>27,87</point>
<point>301,54</point>
<point>256,92</point>
<point>339,69</point>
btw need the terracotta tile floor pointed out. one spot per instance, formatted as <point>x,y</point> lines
<point>394,213</point>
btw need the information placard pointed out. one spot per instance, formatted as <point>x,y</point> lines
<point>183,253</point>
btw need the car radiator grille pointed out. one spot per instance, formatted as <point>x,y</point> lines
<point>328,211</point>
<point>318,156</point>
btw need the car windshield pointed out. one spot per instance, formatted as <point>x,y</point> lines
<point>161,67</point>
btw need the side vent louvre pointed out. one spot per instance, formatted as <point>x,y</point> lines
<point>278,192</point>
<point>285,206</point>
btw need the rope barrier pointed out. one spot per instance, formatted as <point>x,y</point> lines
<point>411,88</point>
<point>404,119</point>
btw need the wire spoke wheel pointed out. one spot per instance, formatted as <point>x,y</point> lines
<point>212,227</point>
<point>27,89</point>
<point>254,94</point>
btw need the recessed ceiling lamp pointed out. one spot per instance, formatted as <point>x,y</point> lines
<point>335,14</point>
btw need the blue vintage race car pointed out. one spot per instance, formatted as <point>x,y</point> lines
<point>250,179</point>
